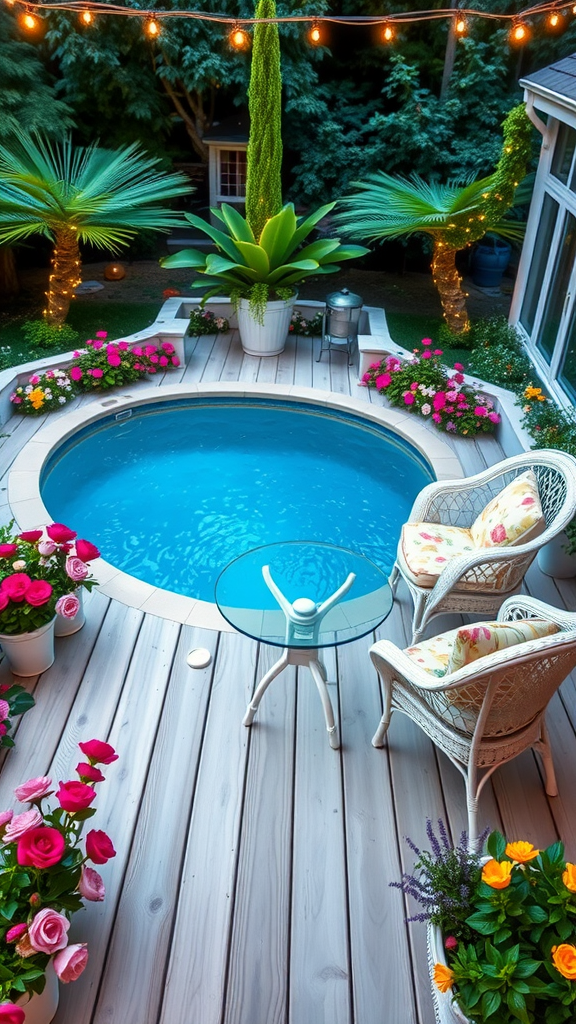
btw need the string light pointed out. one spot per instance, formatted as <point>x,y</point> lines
<point>238,37</point>
<point>388,33</point>
<point>519,33</point>
<point>29,21</point>
<point>554,20</point>
<point>86,17</point>
<point>460,26</point>
<point>314,35</point>
<point>152,28</point>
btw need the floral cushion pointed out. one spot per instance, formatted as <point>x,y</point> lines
<point>450,651</point>
<point>513,516</point>
<point>426,548</point>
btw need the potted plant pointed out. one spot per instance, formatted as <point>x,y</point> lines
<point>41,575</point>
<point>45,874</point>
<point>501,929</point>
<point>261,274</point>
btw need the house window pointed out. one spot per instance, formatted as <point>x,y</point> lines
<point>567,375</point>
<point>233,173</point>
<point>558,292</point>
<point>563,153</point>
<point>539,262</point>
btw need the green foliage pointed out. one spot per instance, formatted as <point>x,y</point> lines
<point>19,701</point>
<point>495,330</point>
<point>29,99</point>
<point>275,264</point>
<point>41,334</point>
<point>264,157</point>
<point>104,197</point>
<point>204,321</point>
<point>501,365</point>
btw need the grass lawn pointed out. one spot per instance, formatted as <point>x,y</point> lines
<point>118,318</point>
<point>408,329</point>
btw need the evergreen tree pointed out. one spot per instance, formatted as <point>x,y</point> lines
<point>264,158</point>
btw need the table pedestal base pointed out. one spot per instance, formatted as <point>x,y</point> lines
<point>292,656</point>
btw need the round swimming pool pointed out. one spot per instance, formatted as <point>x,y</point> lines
<point>171,492</point>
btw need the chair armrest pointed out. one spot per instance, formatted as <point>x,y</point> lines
<point>387,652</point>
<point>523,607</point>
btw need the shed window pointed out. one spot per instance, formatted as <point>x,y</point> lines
<point>563,153</point>
<point>539,261</point>
<point>232,172</point>
<point>558,288</point>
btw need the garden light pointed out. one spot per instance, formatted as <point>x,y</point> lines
<point>29,21</point>
<point>87,18</point>
<point>314,34</point>
<point>460,26</point>
<point>519,33</point>
<point>388,34</point>
<point>238,38</point>
<point>152,28</point>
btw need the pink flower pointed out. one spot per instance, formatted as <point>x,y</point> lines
<point>98,752</point>
<point>5,817</point>
<point>498,534</point>
<point>426,355</point>
<point>89,772</point>
<point>436,417</point>
<point>366,377</point>
<point>39,592</point>
<point>22,823</point>
<point>450,942</point>
<point>175,361</point>
<point>17,401</point>
<point>163,361</point>
<point>154,358</point>
<point>48,931</point>
<point>101,334</point>
<point>123,346</point>
<point>439,400</point>
<point>8,550</point>
<point>480,410</point>
<point>16,585</point>
<point>373,366</point>
<point>169,349</point>
<point>99,848</point>
<point>438,352</point>
<point>11,1014</point>
<point>60,533</point>
<point>426,341</point>
<point>493,417</point>
<point>150,369</point>
<point>459,367</point>
<point>46,548</point>
<point>137,350</point>
<point>76,569</point>
<point>14,933</point>
<point>426,409</point>
<point>33,790</point>
<point>70,962</point>
<point>414,386</point>
<point>91,886</point>
<point>452,396</point>
<point>40,847</point>
<point>97,344</point>
<point>450,425</point>
<point>96,372</point>
<point>76,354</point>
<point>49,374</point>
<point>86,550</point>
<point>114,359</point>
<point>150,350</point>
<point>34,379</point>
<point>75,796</point>
<point>383,380</point>
<point>4,710</point>
<point>76,373</point>
<point>408,398</point>
<point>459,378</point>
<point>68,606</point>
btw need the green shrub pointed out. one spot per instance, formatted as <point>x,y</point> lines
<point>41,334</point>
<point>501,365</point>
<point>488,332</point>
<point>447,338</point>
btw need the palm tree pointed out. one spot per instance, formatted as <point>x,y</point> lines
<point>71,195</point>
<point>454,214</point>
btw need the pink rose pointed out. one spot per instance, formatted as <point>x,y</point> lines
<point>439,400</point>
<point>47,548</point>
<point>15,932</point>
<point>11,1014</point>
<point>498,534</point>
<point>3,729</point>
<point>76,373</point>
<point>436,417</point>
<point>123,346</point>
<point>99,847</point>
<point>480,410</point>
<point>48,931</point>
<point>76,569</point>
<point>30,536</point>
<point>7,550</point>
<point>163,360</point>
<point>409,398</point>
<point>60,533</point>
<point>75,796</point>
<point>86,551</point>
<point>426,341</point>
<point>98,752</point>
<point>426,355</point>
<point>39,592</point>
<point>438,352</point>
<point>175,361</point>
<point>70,962</point>
<point>16,585</point>
<point>88,771</point>
<point>96,372</point>
<point>91,886</point>
<point>97,344</point>
<point>383,380</point>
<point>17,401</point>
<point>114,359</point>
<point>22,823</point>
<point>154,358</point>
<point>33,790</point>
<point>41,847</point>
<point>169,349</point>
<point>459,378</point>
<point>459,367</point>
<point>137,350</point>
<point>101,334</point>
<point>150,350</point>
<point>35,379</point>
<point>68,606</point>
<point>150,369</point>
<point>5,817</point>
<point>493,417</point>
<point>4,710</point>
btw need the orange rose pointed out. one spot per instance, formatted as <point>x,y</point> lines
<point>569,877</point>
<point>497,874</point>
<point>564,957</point>
<point>521,852</point>
<point>444,977</point>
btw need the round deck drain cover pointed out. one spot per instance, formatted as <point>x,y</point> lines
<point>199,657</point>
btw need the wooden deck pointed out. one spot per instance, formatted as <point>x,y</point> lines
<point>251,882</point>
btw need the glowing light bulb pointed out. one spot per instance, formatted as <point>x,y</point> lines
<point>387,34</point>
<point>554,20</point>
<point>86,17</point>
<point>519,33</point>
<point>29,21</point>
<point>238,38</point>
<point>152,28</point>
<point>461,26</point>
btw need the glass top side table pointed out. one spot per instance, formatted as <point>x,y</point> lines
<point>303,596</point>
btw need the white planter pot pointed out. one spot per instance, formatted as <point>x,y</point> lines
<point>447,1011</point>
<point>41,1009</point>
<point>554,560</point>
<point>267,339</point>
<point>29,654</point>
<point>64,626</point>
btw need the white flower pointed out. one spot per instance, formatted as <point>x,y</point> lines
<point>62,400</point>
<point>426,409</point>
<point>19,565</point>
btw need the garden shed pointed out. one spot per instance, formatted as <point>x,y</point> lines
<point>544,302</point>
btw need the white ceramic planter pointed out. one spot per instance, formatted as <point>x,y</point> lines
<point>447,1011</point>
<point>268,339</point>
<point>554,560</point>
<point>41,1009</point>
<point>64,626</point>
<point>29,654</point>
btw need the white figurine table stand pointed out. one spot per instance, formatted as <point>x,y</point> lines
<point>303,619</point>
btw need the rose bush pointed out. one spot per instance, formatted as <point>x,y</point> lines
<point>39,572</point>
<point>44,877</point>
<point>423,385</point>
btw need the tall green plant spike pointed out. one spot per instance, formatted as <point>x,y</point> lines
<point>513,164</point>
<point>264,161</point>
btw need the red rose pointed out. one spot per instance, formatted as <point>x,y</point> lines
<point>30,535</point>
<point>7,550</point>
<point>99,848</point>
<point>4,600</point>
<point>60,533</point>
<point>75,796</point>
<point>98,752</point>
<point>87,771</point>
<point>11,1014</point>
<point>40,847</point>
<point>16,585</point>
<point>39,592</point>
<point>86,551</point>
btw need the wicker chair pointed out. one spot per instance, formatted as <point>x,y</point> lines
<point>478,582</point>
<point>492,709</point>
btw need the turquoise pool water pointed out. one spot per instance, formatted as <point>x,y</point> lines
<point>175,491</point>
